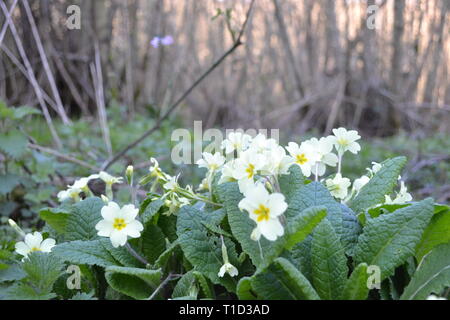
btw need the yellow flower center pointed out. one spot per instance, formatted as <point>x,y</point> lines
<point>34,249</point>
<point>343,142</point>
<point>263,213</point>
<point>250,171</point>
<point>119,224</point>
<point>301,159</point>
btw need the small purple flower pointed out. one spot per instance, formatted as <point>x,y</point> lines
<point>167,41</point>
<point>164,41</point>
<point>155,42</point>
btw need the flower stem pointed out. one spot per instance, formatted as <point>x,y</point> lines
<point>136,255</point>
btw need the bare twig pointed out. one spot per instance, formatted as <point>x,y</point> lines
<point>63,156</point>
<point>5,26</point>
<point>31,76</point>
<point>45,64</point>
<point>235,45</point>
<point>163,284</point>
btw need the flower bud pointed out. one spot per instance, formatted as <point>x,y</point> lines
<point>129,174</point>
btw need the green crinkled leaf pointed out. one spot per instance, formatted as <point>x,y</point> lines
<point>120,254</point>
<point>151,210</point>
<point>432,275</point>
<point>301,257</point>
<point>83,218</point>
<point>244,289</point>
<point>14,143</point>
<point>152,243</point>
<point>205,285</point>
<point>292,182</point>
<point>436,233</point>
<point>351,230</point>
<point>382,183</point>
<point>84,296</point>
<point>282,281</point>
<point>242,227</point>
<point>186,286</point>
<point>204,251</point>
<point>56,218</point>
<point>42,270</point>
<point>356,286</point>
<point>12,273</point>
<point>387,241</point>
<point>133,282</point>
<point>329,264</point>
<point>23,291</point>
<point>315,194</point>
<point>303,224</point>
<point>85,252</point>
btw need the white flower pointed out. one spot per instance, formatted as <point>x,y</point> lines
<point>359,183</point>
<point>260,143</point>
<point>303,155</point>
<point>63,195</point>
<point>33,242</point>
<point>345,140</point>
<point>236,141</point>
<point>211,162</point>
<point>119,223</point>
<point>338,186</point>
<point>402,197</point>
<point>228,268</point>
<point>323,153</point>
<point>265,209</point>
<point>172,184</point>
<point>109,179</point>
<point>228,172</point>
<point>434,297</point>
<point>375,168</point>
<point>277,162</point>
<point>248,165</point>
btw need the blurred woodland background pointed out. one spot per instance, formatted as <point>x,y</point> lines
<point>305,64</point>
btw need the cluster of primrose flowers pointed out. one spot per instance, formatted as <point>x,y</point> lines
<point>256,165</point>
<point>260,161</point>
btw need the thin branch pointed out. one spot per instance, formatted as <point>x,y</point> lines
<point>63,156</point>
<point>235,45</point>
<point>163,284</point>
<point>5,26</point>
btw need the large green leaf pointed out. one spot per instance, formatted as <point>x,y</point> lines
<point>315,194</point>
<point>83,218</point>
<point>356,286</point>
<point>437,232</point>
<point>56,218</point>
<point>301,257</point>
<point>282,281</point>
<point>351,229</point>
<point>85,252</point>
<point>382,183</point>
<point>152,243</point>
<point>387,241</point>
<point>203,250</point>
<point>133,282</point>
<point>292,182</point>
<point>329,264</point>
<point>151,210</point>
<point>186,287</point>
<point>303,224</point>
<point>42,270</point>
<point>244,289</point>
<point>432,275</point>
<point>242,226</point>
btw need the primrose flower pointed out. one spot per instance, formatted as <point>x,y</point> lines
<point>34,242</point>
<point>303,155</point>
<point>211,162</point>
<point>172,184</point>
<point>338,186</point>
<point>260,143</point>
<point>236,141</point>
<point>265,209</point>
<point>228,172</point>
<point>375,168</point>
<point>434,297</point>
<point>119,223</point>
<point>323,153</point>
<point>248,165</point>
<point>227,266</point>
<point>359,183</point>
<point>156,172</point>
<point>402,197</point>
<point>345,140</point>
<point>109,179</point>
